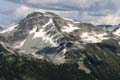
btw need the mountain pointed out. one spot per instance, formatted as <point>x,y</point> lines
<point>46,46</point>
<point>1,28</point>
<point>48,34</point>
<point>108,27</point>
<point>117,31</point>
<point>49,28</point>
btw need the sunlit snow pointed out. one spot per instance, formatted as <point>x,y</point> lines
<point>8,29</point>
<point>94,38</point>
<point>69,28</point>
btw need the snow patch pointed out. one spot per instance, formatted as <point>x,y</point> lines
<point>50,21</point>
<point>54,44</point>
<point>69,28</point>
<point>68,19</point>
<point>93,37</point>
<point>21,44</point>
<point>74,21</point>
<point>41,33</point>
<point>38,34</point>
<point>8,29</point>
<point>59,59</point>
<point>34,30</point>
<point>64,51</point>
<point>38,56</point>
<point>83,67</point>
<point>119,43</point>
<point>117,32</point>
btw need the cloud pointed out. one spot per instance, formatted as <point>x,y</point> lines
<point>92,7</point>
<point>67,4</point>
<point>23,10</point>
<point>42,1</point>
<point>111,19</point>
<point>92,11</point>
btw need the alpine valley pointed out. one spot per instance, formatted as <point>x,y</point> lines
<point>46,46</point>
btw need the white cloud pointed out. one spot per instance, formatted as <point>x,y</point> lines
<point>92,11</point>
<point>83,3</point>
<point>110,19</point>
<point>42,1</point>
<point>67,4</point>
<point>63,4</point>
<point>22,10</point>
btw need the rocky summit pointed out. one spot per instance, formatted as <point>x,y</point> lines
<point>46,46</point>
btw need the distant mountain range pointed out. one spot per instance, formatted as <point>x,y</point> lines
<point>108,27</point>
<point>1,28</point>
<point>50,37</point>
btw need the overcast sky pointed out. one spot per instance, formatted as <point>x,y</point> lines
<point>92,11</point>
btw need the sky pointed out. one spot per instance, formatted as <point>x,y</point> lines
<point>90,11</point>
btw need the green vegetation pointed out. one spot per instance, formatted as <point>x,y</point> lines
<point>26,67</point>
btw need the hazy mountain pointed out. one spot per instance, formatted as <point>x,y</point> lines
<point>1,28</point>
<point>108,27</point>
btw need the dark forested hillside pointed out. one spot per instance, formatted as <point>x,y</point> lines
<point>26,67</point>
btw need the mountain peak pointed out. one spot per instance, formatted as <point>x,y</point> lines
<point>36,14</point>
<point>36,18</point>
